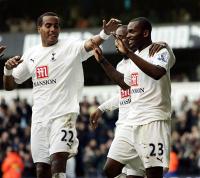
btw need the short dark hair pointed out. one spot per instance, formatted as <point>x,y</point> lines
<point>40,18</point>
<point>146,24</point>
<point>122,27</point>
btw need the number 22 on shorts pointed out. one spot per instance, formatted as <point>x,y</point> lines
<point>67,137</point>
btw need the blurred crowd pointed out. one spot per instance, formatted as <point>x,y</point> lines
<point>89,13</point>
<point>15,120</point>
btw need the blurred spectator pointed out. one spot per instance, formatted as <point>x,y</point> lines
<point>12,166</point>
<point>15,120</point>
<point>173,164</point>
<point>177,11</point>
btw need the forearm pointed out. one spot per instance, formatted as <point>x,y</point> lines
<point>151,70</point>
<point>97,39</point>
<point>113,74</point>
<point>110,105</point>
<point>9,83</point>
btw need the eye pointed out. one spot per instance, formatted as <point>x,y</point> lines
<point>47,25</point>
<point>56,26</point>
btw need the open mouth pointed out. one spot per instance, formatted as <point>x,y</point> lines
<point>131,42</point>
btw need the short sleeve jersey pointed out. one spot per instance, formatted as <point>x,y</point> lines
<point>57,77</point>
<point>150,98</point>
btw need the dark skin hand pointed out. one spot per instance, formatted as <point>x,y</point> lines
<point>156,72</point>
<point>94,118</point>
<point>156,47</point>
<point>2,48</point>
<point>9,83</point>
<point>13,62</point>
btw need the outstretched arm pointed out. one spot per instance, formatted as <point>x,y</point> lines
<point>8,80</point>
<point>109,105</point>
<point>108,27</point>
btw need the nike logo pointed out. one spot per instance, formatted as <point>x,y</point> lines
<point>160,159</point>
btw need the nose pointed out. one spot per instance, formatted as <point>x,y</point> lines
<point>52,28</point>
<point>128,35</point>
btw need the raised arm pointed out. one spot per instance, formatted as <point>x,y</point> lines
<point>108,27</point>
<point>111,72</point>
<point>154,71</point>
<point>8,80</point>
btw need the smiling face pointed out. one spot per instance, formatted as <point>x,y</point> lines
<point>121,33</point>
<point>138,35</point>
<point>49,30</point>
<point>135,35</point>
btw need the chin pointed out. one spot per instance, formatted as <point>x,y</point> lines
<point>50,43</point>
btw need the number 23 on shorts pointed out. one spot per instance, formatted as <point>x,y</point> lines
<point>156,149</point>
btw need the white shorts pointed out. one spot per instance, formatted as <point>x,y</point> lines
<point>56,135</point>
<point>143,146</point>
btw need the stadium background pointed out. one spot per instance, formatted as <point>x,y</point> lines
<point>176,22</point>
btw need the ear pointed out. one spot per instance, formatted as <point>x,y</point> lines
<point>146,33</point>
<point>38,29</point>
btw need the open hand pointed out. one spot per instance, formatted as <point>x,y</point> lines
<point>122,45</point>
<point>156,47</point>
<point>111,25</point>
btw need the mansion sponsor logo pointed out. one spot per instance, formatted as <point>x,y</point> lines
<point>44,82</point>
<point>125,93</point>
<point>137,90</point>
<point>125,101</point>
<point>134,79</point>
<point>42,72</point>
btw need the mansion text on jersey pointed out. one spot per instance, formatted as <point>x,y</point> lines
<point>137,90</point>
<point>44,82</point>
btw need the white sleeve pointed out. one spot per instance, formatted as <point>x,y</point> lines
<point>84,54</point>
<point>110,105</point>
<point>79,49</point>
<point>162,58</point>
<point>172,56</point>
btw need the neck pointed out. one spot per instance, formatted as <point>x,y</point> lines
<point>45,44</point>
<point>125,57</point>
<point>147,43</point>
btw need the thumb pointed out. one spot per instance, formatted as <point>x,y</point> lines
<point>104,24</point>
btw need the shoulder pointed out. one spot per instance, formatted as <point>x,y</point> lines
<point>31,51</point>
<point>70,42</point>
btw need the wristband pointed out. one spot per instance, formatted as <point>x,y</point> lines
<point>7,72</point>
<point>103,35</point>
<point>101,108</point>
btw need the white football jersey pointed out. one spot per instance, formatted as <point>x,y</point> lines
<point>123,99</point>
<point>57,77</point>
<point>150,98</point>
